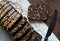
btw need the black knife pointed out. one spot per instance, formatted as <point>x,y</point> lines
<point>51,26</point>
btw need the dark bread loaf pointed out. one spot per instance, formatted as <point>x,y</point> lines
<point>46,3</point>
<point>38,12</point>
<point>15,24</point>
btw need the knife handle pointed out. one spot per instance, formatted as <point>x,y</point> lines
<point>51,26</point>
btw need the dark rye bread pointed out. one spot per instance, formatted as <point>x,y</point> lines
<point>16,25</point>
<point>38,12</point>
<point>49,5</point>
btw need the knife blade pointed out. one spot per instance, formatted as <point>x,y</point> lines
<point>51,26</point>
